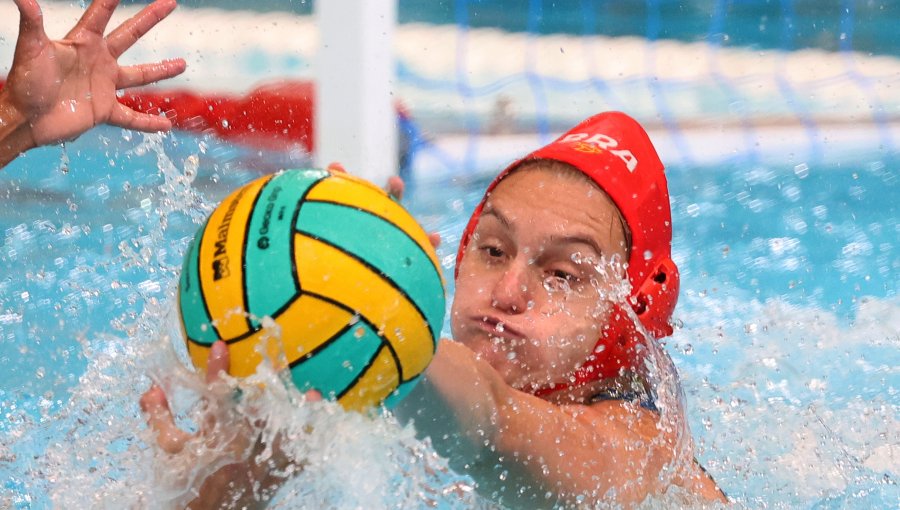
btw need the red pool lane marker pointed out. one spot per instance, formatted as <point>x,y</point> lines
<point>275,116</point>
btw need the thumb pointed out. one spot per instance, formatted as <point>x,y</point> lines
<point>218,362</point>
<point>31,20</point>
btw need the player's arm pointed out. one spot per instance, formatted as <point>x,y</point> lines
<point>574,450</point>
<point>14,138</point>
<point>57,90</point>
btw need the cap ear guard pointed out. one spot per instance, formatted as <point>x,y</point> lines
<point>654,302</point>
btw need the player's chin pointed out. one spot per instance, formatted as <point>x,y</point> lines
<point>527,379</point>
<point>514,372</point>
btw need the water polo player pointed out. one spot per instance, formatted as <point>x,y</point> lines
<point>544,328</point>
<point>543,376</point>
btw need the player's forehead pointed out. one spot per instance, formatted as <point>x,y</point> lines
<point>554,202</point>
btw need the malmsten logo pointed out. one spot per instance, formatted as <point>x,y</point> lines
<point>220,261</point>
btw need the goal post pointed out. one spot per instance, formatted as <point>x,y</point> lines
<point>356,121</point>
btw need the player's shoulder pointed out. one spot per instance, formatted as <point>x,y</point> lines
<point>617,417</point>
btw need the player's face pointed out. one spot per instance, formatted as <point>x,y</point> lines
<point>535,282</point>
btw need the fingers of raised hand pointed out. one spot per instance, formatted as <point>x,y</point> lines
<point>144,74</point>
<point>129,32</point>
<point>159,416</point>
<point>31,28</point>
<point>30,12</point>
<point>124,117</point>
<point>96,17</point>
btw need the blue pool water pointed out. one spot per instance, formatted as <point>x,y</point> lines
<point>787,345</point>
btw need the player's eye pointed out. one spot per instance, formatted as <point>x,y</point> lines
<point>491,249</point>
<point>492,253</point>
<point>558,280</point>
<point>563,275</point>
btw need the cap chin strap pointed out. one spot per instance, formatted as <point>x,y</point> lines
<point>618,348</point>
<point>615,353</point>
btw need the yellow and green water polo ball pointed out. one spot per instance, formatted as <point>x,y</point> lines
<point>348,276</point>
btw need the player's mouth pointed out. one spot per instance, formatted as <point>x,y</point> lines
<point>497,328</point>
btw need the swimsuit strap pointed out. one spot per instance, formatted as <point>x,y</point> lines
<point>631,389</point>
<point>643,399</point>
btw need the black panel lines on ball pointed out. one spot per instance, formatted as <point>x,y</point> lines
<point>360,374</point>
<point>321,346</point>
<point>397,363</point>
<point>244,253</point>
<point>294,217</point>
<point>286,305</point>
<point>366,321</point>
<point>198,342</point>
<point>389,222</point>
<point>377,271</point>
<point>200,237</point>
<point>253,330</point>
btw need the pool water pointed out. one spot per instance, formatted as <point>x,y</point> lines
<point>787,338</point>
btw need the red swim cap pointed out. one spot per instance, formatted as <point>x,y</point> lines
<point>614,151</point>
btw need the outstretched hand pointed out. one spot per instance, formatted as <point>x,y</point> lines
<point>63,88</point>
<point>159,416</point>
<point>243,481</point>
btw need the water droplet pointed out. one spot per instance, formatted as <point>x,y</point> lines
<point>190,167</point>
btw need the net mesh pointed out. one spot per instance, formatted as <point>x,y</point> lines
<point>481,81</point>
<point>753,78</point>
